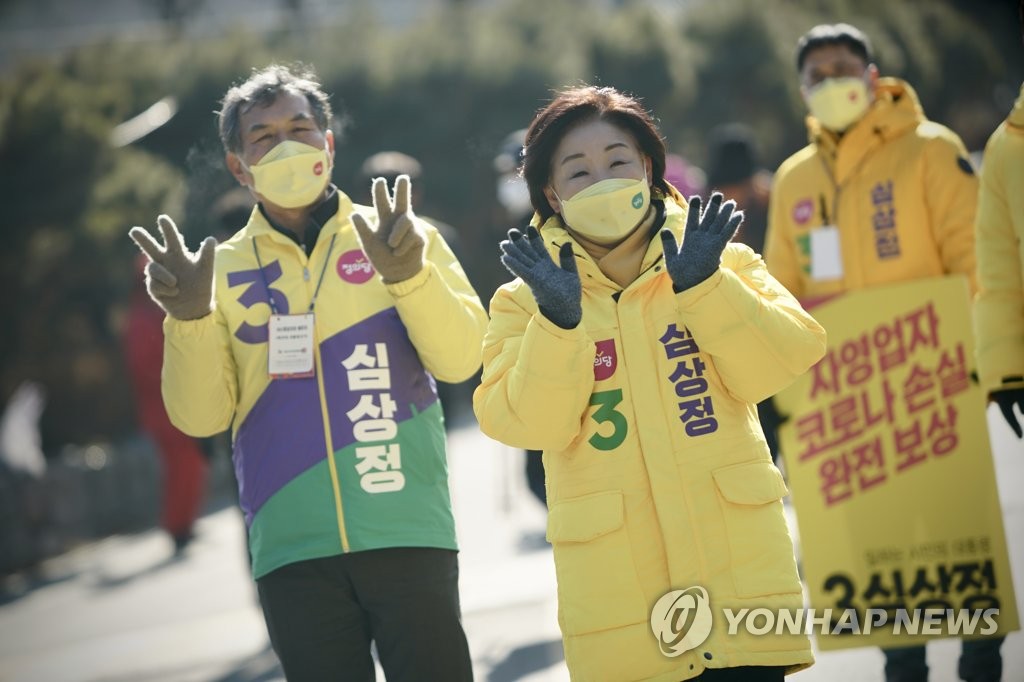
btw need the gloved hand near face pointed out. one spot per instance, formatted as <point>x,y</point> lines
<point>557,290</point>
<point>703,242</point>
<point>181,282</point>
<point>395,246</point>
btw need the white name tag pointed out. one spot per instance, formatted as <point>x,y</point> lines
<point>826,256</point>
<point>291,346</point>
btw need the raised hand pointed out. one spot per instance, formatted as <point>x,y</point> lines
<point>395,246</point>
<point>181,282</point>
<point>556,289</point>
<point>703,242</point>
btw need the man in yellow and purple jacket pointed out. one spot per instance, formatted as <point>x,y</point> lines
<point>316,333</point>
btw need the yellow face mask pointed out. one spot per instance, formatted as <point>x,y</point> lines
<point>608,210</point>
<point>838,103</point>
<point>292,174</point>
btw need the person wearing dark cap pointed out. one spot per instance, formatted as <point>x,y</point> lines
<point>389,164</point>
<point>734,170</point>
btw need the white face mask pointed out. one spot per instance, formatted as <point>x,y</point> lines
<point>838,103</point>
<point>292,174</point>
<point>608,210</point>
<point>514,195</point>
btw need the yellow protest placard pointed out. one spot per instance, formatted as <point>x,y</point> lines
<point>887,455</point>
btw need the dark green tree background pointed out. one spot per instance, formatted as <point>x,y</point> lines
<point>446,90</point>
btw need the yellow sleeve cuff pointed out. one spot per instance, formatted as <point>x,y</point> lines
<point>407,286</point>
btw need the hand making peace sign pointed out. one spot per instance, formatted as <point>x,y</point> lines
<point>180,281</point>
<point>395,245</point>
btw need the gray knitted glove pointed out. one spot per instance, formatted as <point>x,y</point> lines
<point>556,289</point>
<point>395,246</point>
<point>181,282</point>
<point>703,242</point>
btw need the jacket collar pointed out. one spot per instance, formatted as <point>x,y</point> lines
<point>896,110</point>
<point>332,215</point>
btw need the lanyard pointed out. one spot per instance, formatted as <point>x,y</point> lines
<point>266,284</point>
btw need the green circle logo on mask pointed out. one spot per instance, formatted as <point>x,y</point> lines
<point>638,200</point>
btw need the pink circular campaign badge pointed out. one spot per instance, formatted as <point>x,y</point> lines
<point>318,168</point>
<point>605,360</point>
<point>803,210</point>
<point>354,267</point>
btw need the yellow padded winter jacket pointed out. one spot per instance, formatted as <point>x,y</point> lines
<point>899,188</point>
<point>999,306</point>
<point>658,475</point>
<point>352,458</point>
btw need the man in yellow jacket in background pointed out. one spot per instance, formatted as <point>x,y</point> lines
<point>999,306</point>
<point>880,195</point>
<point>316,333</point>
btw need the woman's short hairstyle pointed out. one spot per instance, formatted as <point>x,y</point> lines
<point>572,107</point>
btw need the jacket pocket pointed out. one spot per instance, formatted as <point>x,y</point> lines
<point>760,547</point>
<point>598,587</point>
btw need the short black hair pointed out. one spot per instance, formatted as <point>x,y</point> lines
<point>732,154</point>
<point>833,34</point>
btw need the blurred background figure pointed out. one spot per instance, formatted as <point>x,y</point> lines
<point>389,164</point>
<point>20,443</point>
<point>230,212</point>
<point>184,465</point>
<point>514,199</point>
<point>689,179</point>
<point>513,194</point>
<point>513,208</point>
<point>734,169</point>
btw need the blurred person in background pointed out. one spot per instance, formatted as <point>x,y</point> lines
<point>909,195</point>
<point>389,165</point>
<point>734,169</point>
<point>455,398</point>
<point>689,179</point>
<point>514,198</point>
<point>635,365</point>
<point>184,466</point>
<point>315,332</point>
<point>999,230</point>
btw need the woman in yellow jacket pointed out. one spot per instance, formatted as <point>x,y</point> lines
<point>636,365</point>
